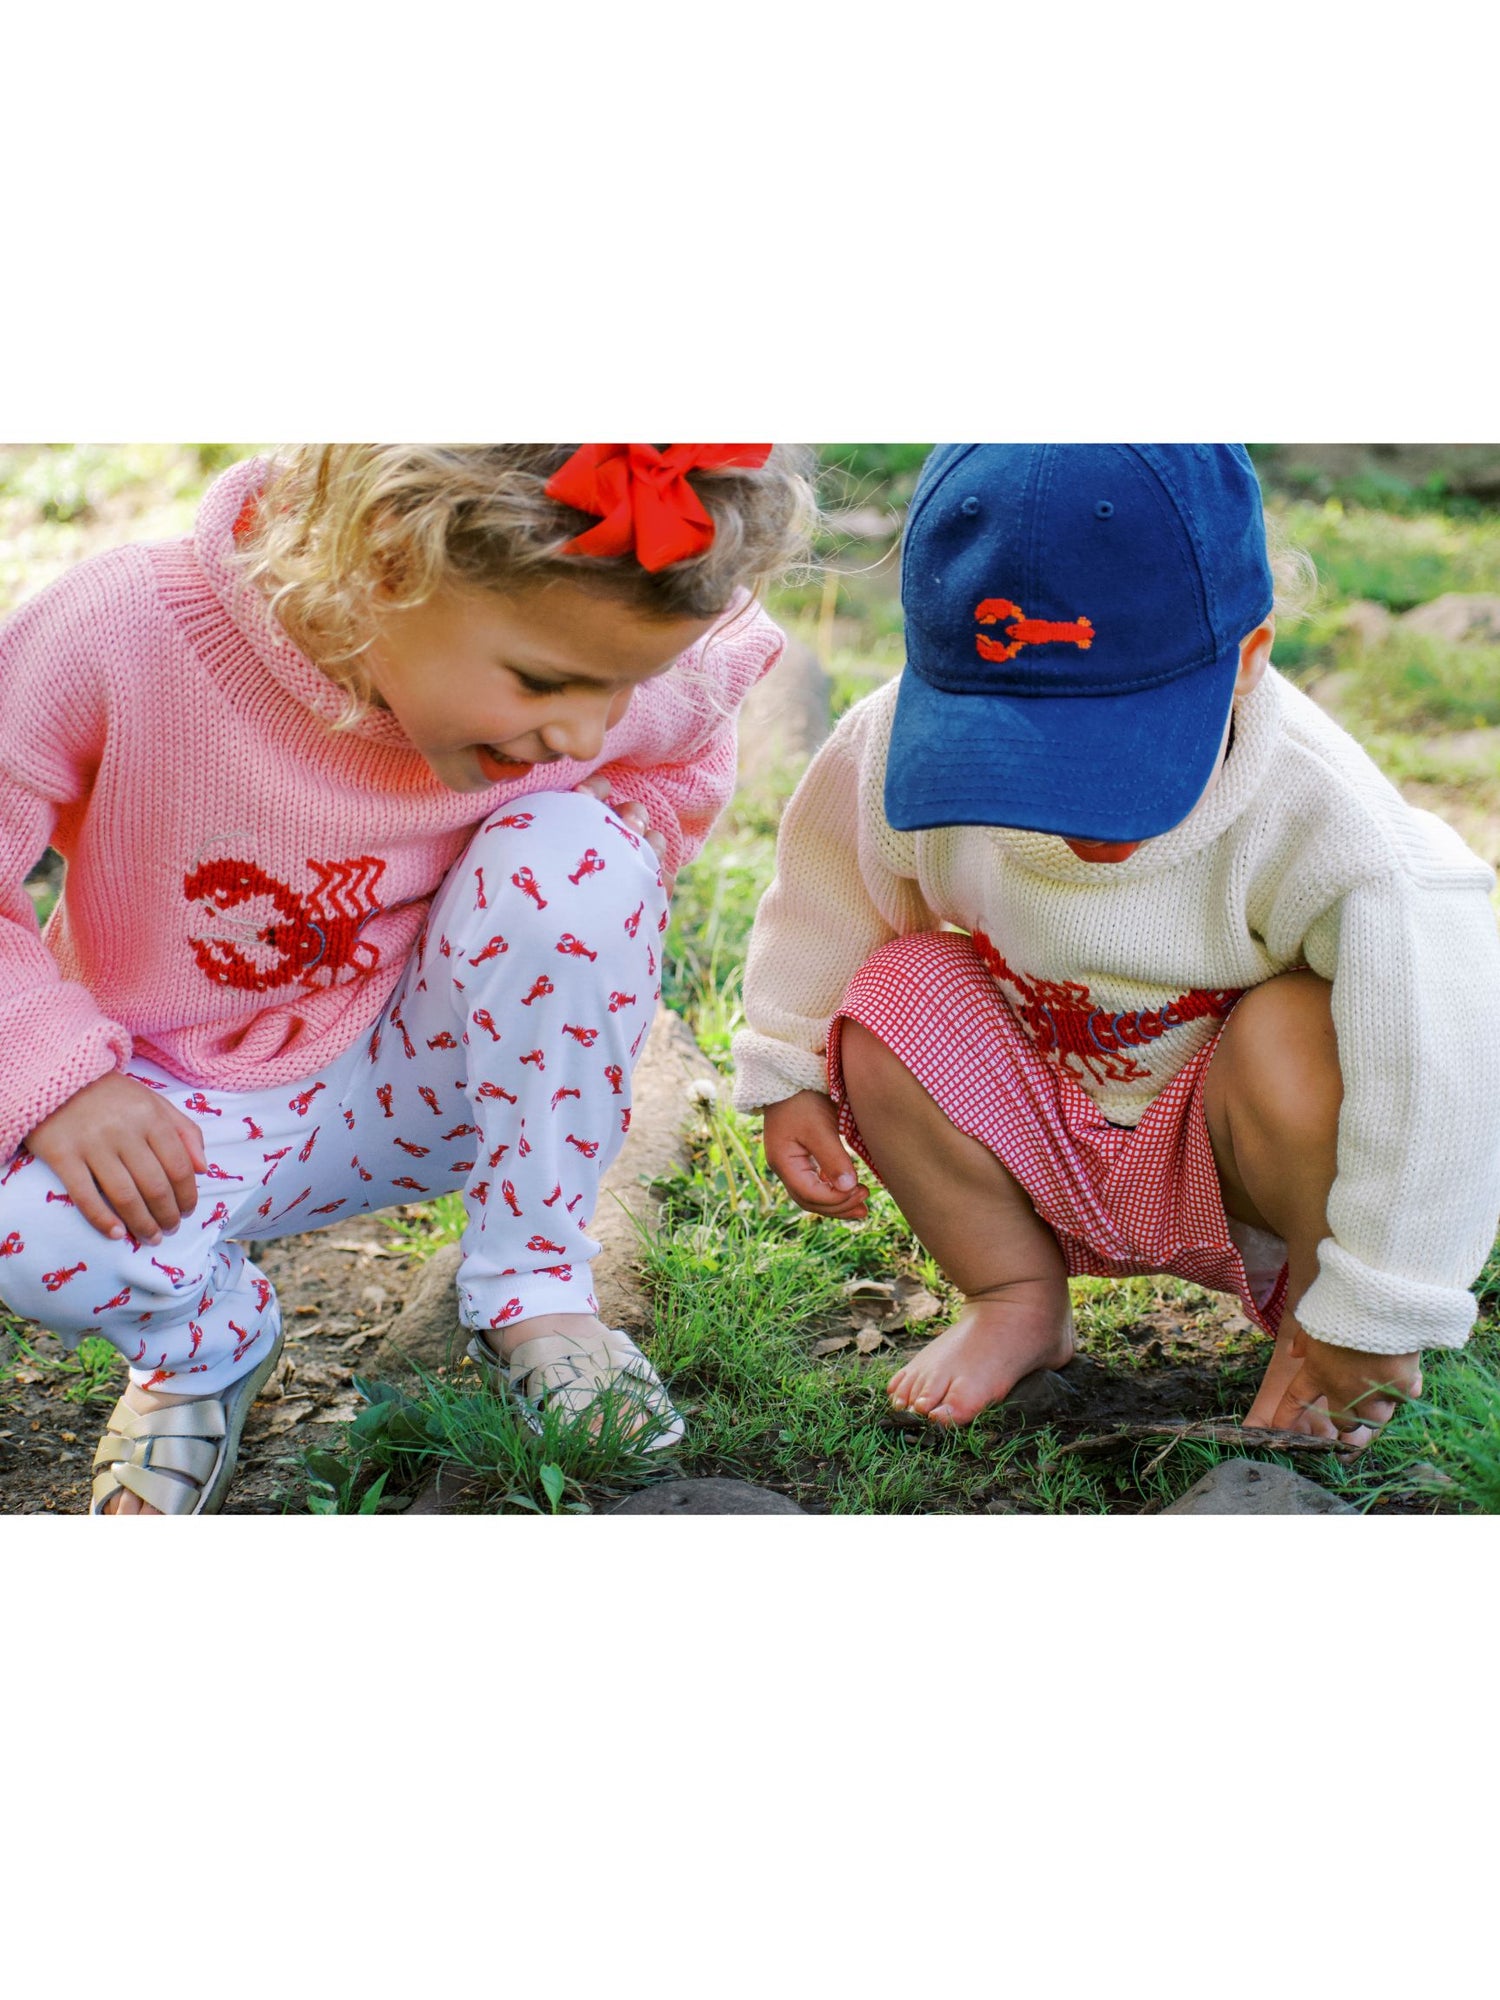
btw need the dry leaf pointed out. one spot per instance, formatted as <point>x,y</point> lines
<point>869,1340</point>
<point>833,1345</point>
<point>341,1410</point>
<point>358,1339</point>
<point>286,1415</point>
<point>874,1289</point>
<point>375,1297</point>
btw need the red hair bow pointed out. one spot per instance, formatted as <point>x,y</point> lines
<point>644,496</point>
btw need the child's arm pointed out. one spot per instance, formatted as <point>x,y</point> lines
<point>845,884</point>
<point>1415,968</point>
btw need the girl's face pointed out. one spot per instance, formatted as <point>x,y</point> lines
<point>486,686</point>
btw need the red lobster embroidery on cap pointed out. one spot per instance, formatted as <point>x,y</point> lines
<point>311,939</point>
<point>1026,631</point>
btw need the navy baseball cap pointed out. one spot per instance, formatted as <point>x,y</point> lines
<point>1073,615</point>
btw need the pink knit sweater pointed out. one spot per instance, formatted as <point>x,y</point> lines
<point>244,884</point>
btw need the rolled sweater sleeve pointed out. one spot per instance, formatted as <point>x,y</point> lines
<point>845,885</point>
<point>1415,968</point>
<point>55,1036</point>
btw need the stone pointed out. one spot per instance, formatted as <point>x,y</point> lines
<point>1041,1394</point>
<point>427,1330</point>
<point>1366,622</point>
<point>706,1496</point>
<point>1457,616</point>
<point>674,1081</point>
<point>1245,1486</point>
<point>785,717</point>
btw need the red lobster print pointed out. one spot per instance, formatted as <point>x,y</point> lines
<point>588,1147</point>
<point>563,1271</point>
<point>197,1332</point>
<point>633,921</point>
<point>263,1294</point>
<point>220,1214</point>
<point>536,1056</point>
<point>383,1092</point>
<point>212,1172</point>
<point>65,1199</point>
<point>406,1181</point>
<point>527,883</point>
<point>559,1095</point>
<point>499,1154</point>
<point>556,1195</point>
<point>442,1041</point>
<point>1026,631</point>
<point>312,939</point>
<point>246,1340</point>
<point>199,1103</point>
<point>508,1194</point>
<point>591,864</point>
<point>329,1207</point>
<point>542,987</point>
<point>572,947</point>
<point>488,1089</point>
<point>463,1132</point>
<point>619,1000</point>
<point>364,1176</point>
<point>523,1144</point>
<point>120,1299</point>
<point>417,1152</point>
<point>520,821</point>
<point>493,949</point>
<point>483,1018</point>
<point>508,1311</point>
<point>430,1098</point>
<point>303,1100</point>
<point>585,1037</point>
<point>312,1139</point>
<point>482,899</point>
<point>12,1245</point>
<point>55,1280</point>
<point>616,1075</point>
<point>254,1131</point>
<point>539,1242</point>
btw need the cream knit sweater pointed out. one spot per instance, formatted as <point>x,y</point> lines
<point>1300,854</point>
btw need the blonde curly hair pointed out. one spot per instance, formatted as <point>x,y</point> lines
<point>344,530</point>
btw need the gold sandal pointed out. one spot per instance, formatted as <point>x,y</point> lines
<point>179,1459</point>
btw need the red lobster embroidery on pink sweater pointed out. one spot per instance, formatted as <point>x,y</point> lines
<point>311,939</point>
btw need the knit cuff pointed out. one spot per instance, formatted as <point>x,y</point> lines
<point>767,1071</point>
<point>1350,1305</point>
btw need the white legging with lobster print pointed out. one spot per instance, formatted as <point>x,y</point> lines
<point>501,1066</point>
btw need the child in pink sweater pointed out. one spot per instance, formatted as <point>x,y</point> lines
<point>371,792</point>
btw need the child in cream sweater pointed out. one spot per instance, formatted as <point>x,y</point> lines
<point>1111,953</point>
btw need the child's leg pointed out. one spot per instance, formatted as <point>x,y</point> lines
<point>979,1224</point>
<point>509,1049</point>
<point>1271,1097</point>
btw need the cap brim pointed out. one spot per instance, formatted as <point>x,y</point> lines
<point>1108,768</point>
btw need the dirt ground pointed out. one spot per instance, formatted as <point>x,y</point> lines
<point>338,1287</point>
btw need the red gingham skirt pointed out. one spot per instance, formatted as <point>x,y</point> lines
<point>1118,1201</point>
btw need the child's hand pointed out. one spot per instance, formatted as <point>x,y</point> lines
<point>635,816</point>
<point>126,1156</point>
<point>804,1150</point>
<point>1344,1393</point>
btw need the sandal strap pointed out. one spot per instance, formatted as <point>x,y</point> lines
<point>157,1489</point>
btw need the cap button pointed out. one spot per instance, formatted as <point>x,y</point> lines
<point>1104,508</point>
<point>969,505</point>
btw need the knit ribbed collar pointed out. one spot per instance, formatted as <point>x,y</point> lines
<point>1244,769</point>
<point>213,547</point>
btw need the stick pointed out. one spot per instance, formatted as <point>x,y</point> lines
<point>1207,1430</point>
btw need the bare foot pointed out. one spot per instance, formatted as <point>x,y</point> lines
<point>144,1401</point>
<point>995,1340</point>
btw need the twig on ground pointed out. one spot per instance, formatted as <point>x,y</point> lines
<point>1203,1430</point>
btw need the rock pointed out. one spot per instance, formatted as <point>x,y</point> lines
<point>1366,621</point>
<point>785,717</point>
<point>427,1329</point>
<point>1244,1486</point>
<point>1041,1394</point>
<point>672,1080</point>
<point>1456,616</point>
<point>706,1496</point>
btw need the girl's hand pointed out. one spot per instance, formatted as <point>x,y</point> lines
<point>1344,1393</point>
<point>126,1156</point>
<point>806,1153</point>
<point>635,816</point>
